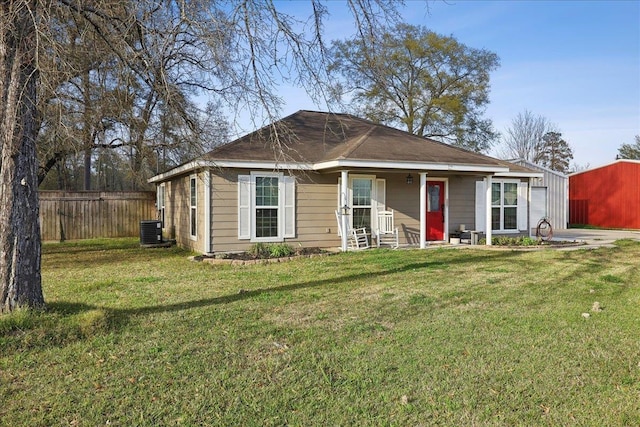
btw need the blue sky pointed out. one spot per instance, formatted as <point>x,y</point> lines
<point>577,63</point>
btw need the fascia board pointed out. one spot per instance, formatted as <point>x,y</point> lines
<point>199,164</point>
<point>409,165</point>
<point>520,175</point>
<point>186,168</point>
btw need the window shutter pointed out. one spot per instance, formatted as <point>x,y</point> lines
<point>380,201</point>
<point>381,194</point>
<point>339,207</point>
<point>522,205</point>
<point>480,206</point>
<point>244,207</point>
<point>289,206</point>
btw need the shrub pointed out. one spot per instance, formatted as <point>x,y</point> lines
<point>278,250</point>
<point>512,241</point>
<point>260,250</point>
<point>270,250</point>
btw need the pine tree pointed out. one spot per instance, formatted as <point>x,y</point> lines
<point>555,152</point>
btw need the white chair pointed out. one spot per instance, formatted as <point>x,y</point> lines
<point>387,232</point>
<point>357,237</point>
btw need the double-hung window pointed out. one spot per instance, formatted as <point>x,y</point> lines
<point>266,207</point>
<point>362,189</point>
<point>504,206</point>
<point>366,197</point>
<point>509,205</point>
<point>193,207</point>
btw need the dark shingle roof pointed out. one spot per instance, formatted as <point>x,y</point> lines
<point>314,137</point>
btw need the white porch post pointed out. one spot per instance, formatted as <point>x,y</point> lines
<point>423,210</point>
<point>344,188</point>
<point>488,221</point>
<point>207,211</point>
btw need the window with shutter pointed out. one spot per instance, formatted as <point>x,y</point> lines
<point>508,205</point>
<point>266,207</point>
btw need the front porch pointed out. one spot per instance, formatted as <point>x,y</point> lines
<point>431,206</point>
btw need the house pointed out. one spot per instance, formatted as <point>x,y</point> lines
<point>606,196</point>
<point>285,182</point>
<point>549,195</point>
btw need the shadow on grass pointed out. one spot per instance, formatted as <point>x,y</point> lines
<point>81,316</point>
<point>247,294</point>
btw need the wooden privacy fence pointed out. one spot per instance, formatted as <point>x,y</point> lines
<point>91,214</point>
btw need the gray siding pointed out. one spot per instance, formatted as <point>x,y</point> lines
<point>462,202</point>
<point>557,194</point>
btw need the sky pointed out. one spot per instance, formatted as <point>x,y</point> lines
<point>576,63</point>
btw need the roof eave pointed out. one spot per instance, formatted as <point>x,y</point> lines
<point>516,174</point>
<point>332,164</point>
<point>236,164</point>
<point>450,167</point>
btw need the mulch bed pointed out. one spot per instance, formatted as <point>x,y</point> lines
<point>246,258</point>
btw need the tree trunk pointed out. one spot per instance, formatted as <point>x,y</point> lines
<point>20,279</point>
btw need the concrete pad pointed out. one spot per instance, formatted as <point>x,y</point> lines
<point>594,238</point>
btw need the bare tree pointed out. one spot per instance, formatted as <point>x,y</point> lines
<point>523,140</point>
<point>242,48</point>
<point>20,280</point>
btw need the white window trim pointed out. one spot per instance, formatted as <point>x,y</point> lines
<point>502,230</point>
<point>372,203</point>
<point>247,207</point>
<point>192,207</point>
<point>378,201</point>
<point>280,208</point>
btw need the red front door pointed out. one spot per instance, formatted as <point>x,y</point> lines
<point>435,210</point>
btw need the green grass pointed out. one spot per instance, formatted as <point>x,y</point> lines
<point>440,337</point>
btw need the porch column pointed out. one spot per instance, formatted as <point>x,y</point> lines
<point>344,189</point>
<point>423,210</point>
<point>487,214</point>
<point>207,211</point>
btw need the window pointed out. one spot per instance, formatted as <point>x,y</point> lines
<point>504,206</point>
<point>365,197</point>
<point>266,207</point>
<point>509,205</point>
<point>160,203</point>
<point>433,198</point>
<point>193,213</point>
<point>361,202</point>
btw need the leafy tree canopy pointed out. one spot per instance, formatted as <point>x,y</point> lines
<point>630,151</point>
<point>408,76</point>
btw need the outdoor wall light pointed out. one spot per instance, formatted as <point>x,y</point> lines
<point>409,179</point>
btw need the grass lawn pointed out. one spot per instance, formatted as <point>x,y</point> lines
<point>440,337</point>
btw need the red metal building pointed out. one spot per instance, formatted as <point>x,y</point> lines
<point>607,196</point>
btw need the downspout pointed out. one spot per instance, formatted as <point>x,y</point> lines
<point>344,176</point>
<point>488,222</point>
<point>207,212</point>
<point>423,210</point>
